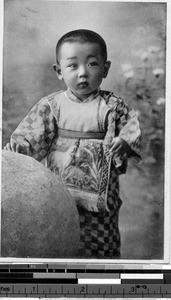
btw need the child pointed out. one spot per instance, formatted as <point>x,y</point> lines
<point>86,136</point>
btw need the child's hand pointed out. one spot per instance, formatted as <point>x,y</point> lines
<point>118,147</point>
<point>15,147</point>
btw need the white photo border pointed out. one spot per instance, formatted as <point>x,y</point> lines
<point>167,218</point>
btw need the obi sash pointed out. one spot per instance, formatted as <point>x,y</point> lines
<point>72,134</point>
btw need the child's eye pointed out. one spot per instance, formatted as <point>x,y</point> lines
<point>72,66</point>
<point>93,64</point>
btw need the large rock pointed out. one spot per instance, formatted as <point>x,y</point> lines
<point>39,216</point>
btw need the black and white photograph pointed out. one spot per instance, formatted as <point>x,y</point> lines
<point>85,159</point>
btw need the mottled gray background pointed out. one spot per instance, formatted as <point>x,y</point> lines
<point>135,36</point>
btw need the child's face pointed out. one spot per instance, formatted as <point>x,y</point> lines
<point>82,67</point>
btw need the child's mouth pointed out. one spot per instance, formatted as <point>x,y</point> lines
<point>83,85</point>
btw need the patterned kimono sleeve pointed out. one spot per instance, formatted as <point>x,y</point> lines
<point>36,131</point>
<point>128,128</point>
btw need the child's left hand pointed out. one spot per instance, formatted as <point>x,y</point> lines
<point>118,147</point>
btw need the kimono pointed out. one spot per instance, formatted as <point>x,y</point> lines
<point>73,138</point>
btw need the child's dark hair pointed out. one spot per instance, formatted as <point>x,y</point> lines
<point>82,36</point>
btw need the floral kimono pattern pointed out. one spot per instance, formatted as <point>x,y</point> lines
<point>73,137</point>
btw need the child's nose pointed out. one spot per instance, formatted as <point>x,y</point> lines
<point>82,71</point>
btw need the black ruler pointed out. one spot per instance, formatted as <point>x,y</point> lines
<point>84,281</point>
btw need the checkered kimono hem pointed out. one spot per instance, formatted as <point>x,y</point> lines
<point>100,237</point>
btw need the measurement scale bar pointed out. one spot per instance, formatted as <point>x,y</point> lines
<point>54,275</point>
<point>141,276</point>
<point>86,291</point>
<point>38,280</point>
<point>74,275</point>
<point>98,275</point>
<point>99,281</point>
<point>83,281</point>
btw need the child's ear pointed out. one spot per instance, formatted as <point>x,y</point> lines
<point>57,69</point>
<point>106,68</point>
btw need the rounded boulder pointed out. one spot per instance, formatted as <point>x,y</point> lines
<point>39,217</point>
